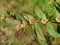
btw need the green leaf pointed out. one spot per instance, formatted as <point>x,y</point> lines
<point>40,35</point>
<point>1,14</point>
<point>39,13</point>
<point>8,22</point>
<point>51,29</point>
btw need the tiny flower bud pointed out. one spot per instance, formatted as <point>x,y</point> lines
<point>44,20</point>
<point>58,19</point>
<point>32,21</point>
<point>51,2</point>
<point>23,25</point>
<point>2,17</point>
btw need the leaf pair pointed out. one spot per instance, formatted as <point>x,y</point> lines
<point>39,34</point>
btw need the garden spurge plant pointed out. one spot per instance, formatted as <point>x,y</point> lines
<point>29,22</point>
